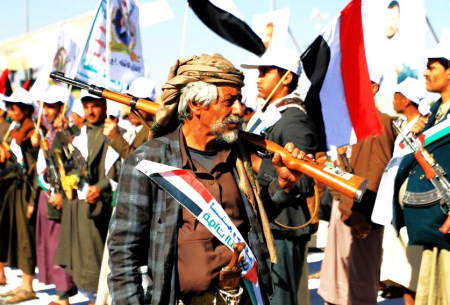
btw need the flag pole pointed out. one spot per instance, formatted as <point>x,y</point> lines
<point>183,37</point>
<point>432,30</point>
<point>297,45</point>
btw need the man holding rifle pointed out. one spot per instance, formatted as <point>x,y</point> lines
<point>185,254</point>
<point>85,218</point>
<point>283,119</point>
<point>48,222</point>
<point>424,205</point>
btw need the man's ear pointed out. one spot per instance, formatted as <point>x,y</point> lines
<point>288,79</point>
<point>194,107</point>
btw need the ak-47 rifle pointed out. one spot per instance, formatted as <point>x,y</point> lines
<point>346,183</point>
<point>433,172</point>
<point>52,170</point>
<point>80,163</point>
<point>14,165</point>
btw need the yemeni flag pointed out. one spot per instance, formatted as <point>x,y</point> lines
<point>340,99</point>
<point>217,15</point>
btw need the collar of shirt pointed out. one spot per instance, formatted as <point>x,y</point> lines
<point>222,156</point>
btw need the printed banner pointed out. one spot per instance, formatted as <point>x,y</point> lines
<point>112,57</point>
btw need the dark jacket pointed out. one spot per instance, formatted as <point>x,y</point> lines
<point>423,223</point>
<point>144,228</point>
<point>84,226</point>
<point>297,127</point>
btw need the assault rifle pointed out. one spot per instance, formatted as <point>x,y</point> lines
<point>433,172</point>
<point>345,183</point>
<point>52,170</point>
<point>77,158</point>
<point>15,166</point>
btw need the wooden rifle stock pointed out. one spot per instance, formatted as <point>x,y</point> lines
<point>345,183</point>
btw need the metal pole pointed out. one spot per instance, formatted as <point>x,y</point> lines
<point>297,45</point>
<point>27,21</point>
<point>432,30</point>
<point>183,37</point>
<point>272,5</point>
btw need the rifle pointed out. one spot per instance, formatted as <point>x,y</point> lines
<point>433,171</point>
<point>52,170</point>
<point>77,158</point>
<point>346,183</point>
<point>15,166</point>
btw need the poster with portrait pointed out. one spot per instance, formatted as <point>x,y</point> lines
<point>395,32</point>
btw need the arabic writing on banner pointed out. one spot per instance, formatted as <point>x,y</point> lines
<point>112,57</point>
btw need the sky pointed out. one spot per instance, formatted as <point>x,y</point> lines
<point>162,42</point>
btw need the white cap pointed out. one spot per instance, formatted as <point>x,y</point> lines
<point>376,76</point>
<point>142,88</point>
<point>86,94</point>
<point>20,95</point>
<point>54,94</point>
<point>286,59</point>
<point>113,110</point>
<point>412,89</point>
<point>77,108</point>
<point>441,50</point>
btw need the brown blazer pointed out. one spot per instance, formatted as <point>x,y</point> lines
<point>123,148</point>
<point>369,159</point>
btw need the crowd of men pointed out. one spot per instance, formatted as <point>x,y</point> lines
<point>89,203</point>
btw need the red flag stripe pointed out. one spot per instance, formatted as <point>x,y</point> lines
<point>355,74</point>
<point>200,188</point>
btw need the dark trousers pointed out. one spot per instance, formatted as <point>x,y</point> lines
<point>287,273</point>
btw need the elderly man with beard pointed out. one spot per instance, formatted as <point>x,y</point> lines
<point>150,228</point>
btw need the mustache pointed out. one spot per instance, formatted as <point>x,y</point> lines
<point>234,120</point>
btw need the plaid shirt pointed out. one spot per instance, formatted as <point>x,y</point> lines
<point>143,229</point>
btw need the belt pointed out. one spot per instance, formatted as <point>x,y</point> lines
<point>429,198</point>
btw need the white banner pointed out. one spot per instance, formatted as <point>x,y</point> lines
<point>112,57</point>
<point>63,59</point>
<point>123,42</point>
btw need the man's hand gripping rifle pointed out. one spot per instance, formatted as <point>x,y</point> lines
<point>433,171</point>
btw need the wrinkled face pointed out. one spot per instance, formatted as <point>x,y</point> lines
<point>15,113</point>
<point>392,20</point>
<point>437,78</point>
<point>94,110</point>
<point>225,117</point>
<point>398,102</point>
<point>51,111</point>
<point>267,79</point>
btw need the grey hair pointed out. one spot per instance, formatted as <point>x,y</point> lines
<point>198,92</point>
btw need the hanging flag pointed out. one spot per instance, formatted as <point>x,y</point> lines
<point>222,18</point>
<point>340,99</point>
<point>5,84</point>
<point>112,57</point>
